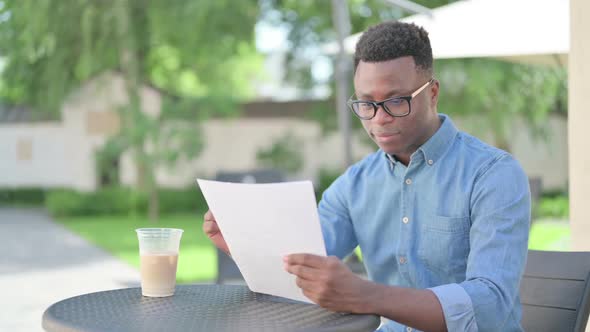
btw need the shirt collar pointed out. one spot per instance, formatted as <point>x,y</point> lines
<point>436,145</point>
<point>390,158</point>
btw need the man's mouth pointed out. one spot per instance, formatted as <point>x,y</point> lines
<point>385,134</point>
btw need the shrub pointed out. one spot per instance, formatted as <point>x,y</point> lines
<point>284,154</point>
<point>115,200</point>
<point>181,200</point>
<point>22,196</point>
<point>65,202</point>
<point>325,180</point>
<point>553,207</point>
<point>121,201</point>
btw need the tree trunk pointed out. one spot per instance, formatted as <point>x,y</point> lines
<point>154,204</point>
<point>341,22</point>
<point>131,65</point>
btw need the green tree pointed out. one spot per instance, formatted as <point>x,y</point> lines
<point>493,95</point>
<point>188,49</point>
<point>284,154</point>
<point>492,92</point>
<point>310,24</point>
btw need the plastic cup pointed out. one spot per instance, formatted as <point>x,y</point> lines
<point>158,252</point>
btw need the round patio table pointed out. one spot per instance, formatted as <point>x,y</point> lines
<point>197,308</point>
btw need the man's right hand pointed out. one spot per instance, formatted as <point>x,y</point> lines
<point>213,233</point>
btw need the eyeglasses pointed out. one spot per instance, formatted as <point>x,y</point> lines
<point>396,106</point>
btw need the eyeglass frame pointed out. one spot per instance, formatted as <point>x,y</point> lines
<point>376,104</point>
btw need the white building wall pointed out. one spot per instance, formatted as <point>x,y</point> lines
<point>49,163</point>
<point>545,157</point>
<point>80,154</point>
<point>102,96</point>
<point>231,145</point>
<point>63,155</point>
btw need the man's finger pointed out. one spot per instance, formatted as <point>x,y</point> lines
<point>310,260</point>
<point>210,227</point>
<point>305,285</point>
<point>209,215</point>
<point>310,295</point>
<point>302,271</point>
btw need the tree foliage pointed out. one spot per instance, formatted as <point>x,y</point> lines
<point>491,92</point>
<point>496,95</point>
<point>284,154</point>
<point>186,49</point>
<point>310,24</point>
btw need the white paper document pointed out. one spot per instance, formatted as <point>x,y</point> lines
<point>261,223</point>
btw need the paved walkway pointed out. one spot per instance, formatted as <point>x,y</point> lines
<point>41,262</point>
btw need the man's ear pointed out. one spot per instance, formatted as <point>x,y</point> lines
<point>434,88</point>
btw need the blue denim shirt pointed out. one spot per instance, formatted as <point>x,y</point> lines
<point>455,220</point>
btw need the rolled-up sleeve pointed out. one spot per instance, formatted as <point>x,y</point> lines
<point>457,307</point>
<point>488,298</point>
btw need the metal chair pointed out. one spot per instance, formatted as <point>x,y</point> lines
<point>536,188</point>
<point>227,270</point>
<point>555,291</point>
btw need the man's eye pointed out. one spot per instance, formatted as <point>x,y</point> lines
<point>394,102</point>
<point>365,106</point>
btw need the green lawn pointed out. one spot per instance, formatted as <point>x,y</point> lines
<point>197,260</point>
<point>550,235</point>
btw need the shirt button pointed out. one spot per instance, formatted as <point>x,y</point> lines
<point>409,329</point>
<point>408,181</point>
<point>402,260</point>
<point>405,220</point>
<point>430,162</point>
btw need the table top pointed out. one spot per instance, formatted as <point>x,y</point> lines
<point>197,308</point>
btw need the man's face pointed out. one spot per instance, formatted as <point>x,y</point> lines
<point>401,136</point>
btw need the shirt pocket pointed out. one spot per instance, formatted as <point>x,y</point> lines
<point>444,245</point>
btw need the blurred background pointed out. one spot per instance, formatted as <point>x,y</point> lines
<point>110,110</point>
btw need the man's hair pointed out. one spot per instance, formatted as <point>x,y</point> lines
<point>392,40</point>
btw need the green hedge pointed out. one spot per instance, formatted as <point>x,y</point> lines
<point>552,207</point>
<point>120,201</point>
<point>22,196</point>
<point>184,200</point>
<point>325,180</point>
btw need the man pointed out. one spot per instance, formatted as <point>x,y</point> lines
<point>442,219</point>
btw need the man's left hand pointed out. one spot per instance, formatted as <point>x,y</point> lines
<point>328,282</point>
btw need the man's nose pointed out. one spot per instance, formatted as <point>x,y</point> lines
<point>381,116</point>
